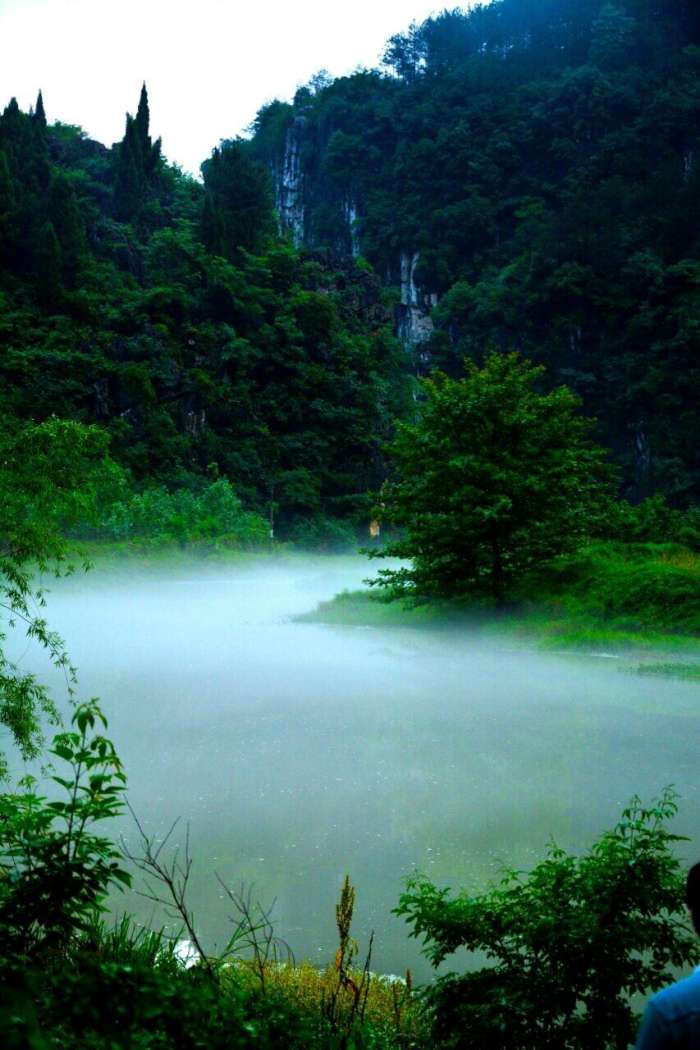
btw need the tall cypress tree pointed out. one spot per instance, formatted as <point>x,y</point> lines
<point>64,213</point>
<point>128,184</point>
<point>39,115</point>
<point>143,120</point>
<point>210,226</point>
<point>7,204</point>
<point>7,189</point>
<point>150,150</point>
<point>137,162</point>
<point>49,267</point>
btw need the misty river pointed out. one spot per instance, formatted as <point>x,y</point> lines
<point>298,752</point>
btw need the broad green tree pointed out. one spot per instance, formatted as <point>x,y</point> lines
<point>494,479</point>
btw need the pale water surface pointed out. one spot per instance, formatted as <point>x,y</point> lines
<point>300,752</point>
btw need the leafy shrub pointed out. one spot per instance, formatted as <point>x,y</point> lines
<point>570,943</point>
<point>184,516</point>
<point>647,585</point>
<point>652,521</point>
<point>54,870</point>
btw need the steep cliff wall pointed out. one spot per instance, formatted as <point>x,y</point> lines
<point>413,323</point>
<point>288,178</point>
<point>321,214</point>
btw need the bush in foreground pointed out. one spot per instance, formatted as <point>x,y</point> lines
<point>569,944</point>
<point>67,981</point>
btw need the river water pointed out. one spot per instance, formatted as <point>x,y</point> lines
<point>298,752</point>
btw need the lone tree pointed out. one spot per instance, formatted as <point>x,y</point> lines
<point>493,480</point>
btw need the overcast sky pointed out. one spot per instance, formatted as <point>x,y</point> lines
<point>209,64</point>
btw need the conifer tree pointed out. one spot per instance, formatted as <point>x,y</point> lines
<point>49,266</point>
<point>67,221</point>
<point>39,115</point>
<point>7,202</point>
<point>210,226</point>
<point>7,189</point>
<point>150,151</point>
<point>138,159</point>
<point>143,118</point>
<point>12,111</point>
<point>127,188</point>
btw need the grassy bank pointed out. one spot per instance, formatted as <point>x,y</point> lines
<point>642,597</point>
<point>166,551</point>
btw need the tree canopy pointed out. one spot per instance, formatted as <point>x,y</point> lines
<point>493,480</point>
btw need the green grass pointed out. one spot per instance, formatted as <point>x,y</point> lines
<point>636,589</point>
<point>687,672</point>
<point>367,608</point>
<point>642,598</point>
<point>106,553</point>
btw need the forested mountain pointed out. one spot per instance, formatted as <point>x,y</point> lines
<point>175,315</point>
<point>526,176</point>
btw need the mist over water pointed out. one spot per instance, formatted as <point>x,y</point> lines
<point>299,752</point>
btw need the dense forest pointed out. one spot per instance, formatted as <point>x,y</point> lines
<point>524,177</point>
<point>172,314</point>
<point>528,175</point>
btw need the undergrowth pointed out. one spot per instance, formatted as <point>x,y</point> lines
<point>643,596</point>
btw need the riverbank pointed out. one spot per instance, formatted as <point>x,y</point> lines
<point>638,599</point>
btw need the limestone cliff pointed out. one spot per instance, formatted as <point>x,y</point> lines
<point>319,213</point>
<point>289,182</point>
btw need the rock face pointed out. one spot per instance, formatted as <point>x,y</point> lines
<point>413,323</point>
<point>289,183</point>
<point>351,215</point>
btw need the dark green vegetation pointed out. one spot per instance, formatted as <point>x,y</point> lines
<point>210,513</point>
<point>541,157</point>
<point>492,482</point>
<point>688,672</point>
<point>605,595</point>
<point>173,315</point>
<point>568,943</point>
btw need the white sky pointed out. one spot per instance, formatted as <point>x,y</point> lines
<point>209,64</point>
